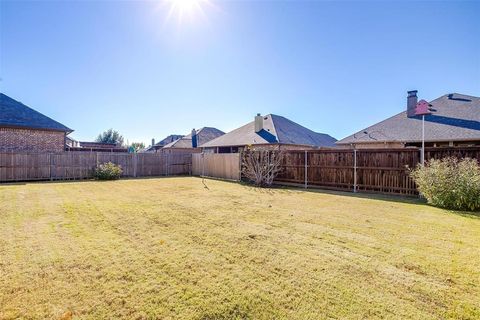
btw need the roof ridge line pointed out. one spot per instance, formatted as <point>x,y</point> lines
<point>274,128</point>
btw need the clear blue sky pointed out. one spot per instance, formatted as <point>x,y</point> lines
<point>334,67</point>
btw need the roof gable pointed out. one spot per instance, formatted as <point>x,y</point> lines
<point>455,117</point>
<point>16,114</point>
<point>169,139</point>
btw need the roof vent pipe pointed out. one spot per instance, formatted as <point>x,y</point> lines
<point>258,123</point>
<point>412,100</point>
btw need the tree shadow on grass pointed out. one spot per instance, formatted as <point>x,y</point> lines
<point>392,198</point>
<point>361,195</point>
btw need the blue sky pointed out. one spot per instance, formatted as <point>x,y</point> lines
<point>334,67</point>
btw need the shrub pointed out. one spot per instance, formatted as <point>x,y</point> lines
<point>261,166</point>
<point>108,171</point>
<point>450,183</point>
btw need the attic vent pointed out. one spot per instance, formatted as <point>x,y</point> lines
<point>452,96</point>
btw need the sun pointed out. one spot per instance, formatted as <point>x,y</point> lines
<point>186,9</point>
<point>185,5</point>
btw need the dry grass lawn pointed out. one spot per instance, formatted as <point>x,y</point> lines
<point>170,249</point>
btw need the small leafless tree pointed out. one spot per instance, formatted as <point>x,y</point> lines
<point>261,166</point>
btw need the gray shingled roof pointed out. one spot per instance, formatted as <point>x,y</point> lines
<point>456,117</point>
<point>276,129</point>
<point>16,114</point>
<point>204,135</point>
<point>163,142</point>
<point>169,139</point>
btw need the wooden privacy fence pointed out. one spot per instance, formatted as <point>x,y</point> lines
<point>217,165</point>
<point>367,170</point>
<point>380,170</point>
<point>80,165</point>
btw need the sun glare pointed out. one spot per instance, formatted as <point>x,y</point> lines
<point>186,9</point>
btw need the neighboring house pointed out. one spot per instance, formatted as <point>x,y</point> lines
<point>71,143</point>
<point>26,130</point>
<point>272,132</point>
<point>454,121</point>
<point>195,139</point>
<point>159,145</point>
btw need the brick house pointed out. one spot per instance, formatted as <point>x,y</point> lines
<point>26,130</point>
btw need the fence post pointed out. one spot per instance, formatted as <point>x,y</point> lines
<point>240,157</point>
<point>354,170</point>
<point>51,165</point>
<point>306,169</point>
<point>166,164</point>
<point>135,165</point>
<point>190,164</point>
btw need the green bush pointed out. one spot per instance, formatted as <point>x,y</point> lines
<point>108,171</point>
<point>450,183</point>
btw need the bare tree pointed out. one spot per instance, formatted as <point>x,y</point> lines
<point>261,166</point>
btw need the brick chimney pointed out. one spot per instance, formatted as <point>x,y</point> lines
<point>412,100</point>
<point>194,138</point>
<point>153,142</point>
<point>258,123</point>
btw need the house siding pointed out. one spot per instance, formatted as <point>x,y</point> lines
<point>31,140</point>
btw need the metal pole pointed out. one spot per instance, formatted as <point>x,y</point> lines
<point>422,155</point>
<point>306,170</point>
<point>203,164</point>
<point>354,170</point>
